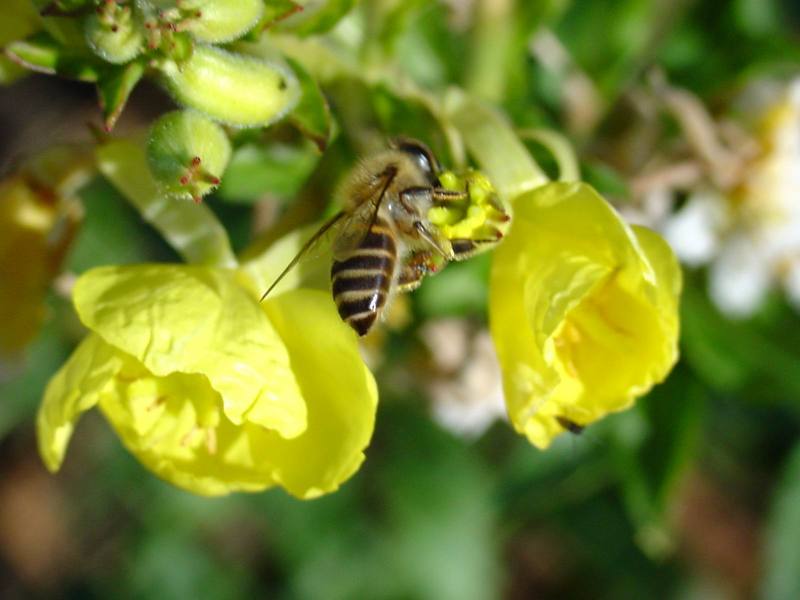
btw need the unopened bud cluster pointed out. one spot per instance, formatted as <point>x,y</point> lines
<point>176,42</point>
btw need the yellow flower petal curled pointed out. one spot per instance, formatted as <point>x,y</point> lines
<point>180,319</point>
<point>205,386</point>
<point>583,310</point>
<point>76,388</point>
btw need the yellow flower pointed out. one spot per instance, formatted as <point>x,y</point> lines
<point>583,310</point>
<point>211,390</point>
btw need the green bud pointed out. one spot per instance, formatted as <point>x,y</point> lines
<point>239,90</point>
<point>211,21</point>
<point>187,154</point>
<point>113,32</point>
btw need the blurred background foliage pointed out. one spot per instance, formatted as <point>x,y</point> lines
<point>694,493</point>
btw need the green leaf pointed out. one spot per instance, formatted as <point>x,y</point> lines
<point>41,52</point>
<point>276,169</point>
<point>729,355</point>
<point>173,565</point>
<point>606,180</point>
<point>440,536</point>
<point>312,115</point>
<point>114,88</point>
<point>317,17</point>
<point>651,467</point>
<point>460,289</point>
<point>111,232</point>
<point>192,229</point>
<point>781,560</point>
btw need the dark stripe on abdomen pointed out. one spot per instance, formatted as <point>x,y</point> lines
<point>378,261</point>
<point>361,281</point>
<point>379,239</point>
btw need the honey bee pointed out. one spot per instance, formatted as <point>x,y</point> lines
<point>383,241</point>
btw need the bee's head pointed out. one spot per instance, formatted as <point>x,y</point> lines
<point>421,155</point>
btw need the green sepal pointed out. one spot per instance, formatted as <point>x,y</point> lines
<point>42,53</point>
<point>113,89</point>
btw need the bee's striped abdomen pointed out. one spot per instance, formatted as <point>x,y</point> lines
<point>361,281</point>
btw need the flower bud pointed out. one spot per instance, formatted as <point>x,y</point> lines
<point>187,154</point>
<point>113,32</point>
<point>238,90</point>
<point>211,21</point>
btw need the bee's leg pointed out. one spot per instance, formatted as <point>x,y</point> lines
<point>445,252</point>
<point>442,196</point>
<point>414,268</point>
<point>464,248</point>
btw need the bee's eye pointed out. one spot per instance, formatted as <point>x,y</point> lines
<point>421,154</point>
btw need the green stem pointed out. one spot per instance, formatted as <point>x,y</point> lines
<point>494,145</point>
<point>561,149</point>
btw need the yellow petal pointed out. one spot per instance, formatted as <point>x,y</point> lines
<point>194,320</point>
<point>339,391</point>
<point>170,423</point>
<point>583,310</point>
<point>76,388</point>
<point>174,426</point>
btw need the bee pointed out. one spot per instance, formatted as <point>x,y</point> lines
<point>383,241</point>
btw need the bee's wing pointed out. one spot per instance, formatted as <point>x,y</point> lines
<point>357,224</point>
<point>310,243</point>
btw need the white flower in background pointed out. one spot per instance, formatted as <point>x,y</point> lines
<point>743,221</point>
<point>469,400</point>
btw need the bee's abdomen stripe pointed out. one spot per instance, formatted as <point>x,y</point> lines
<point>363,261</point>
<point>379,238</point>
<point>370,280</point>
<point>369,302</point>
<point>361,281</point>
